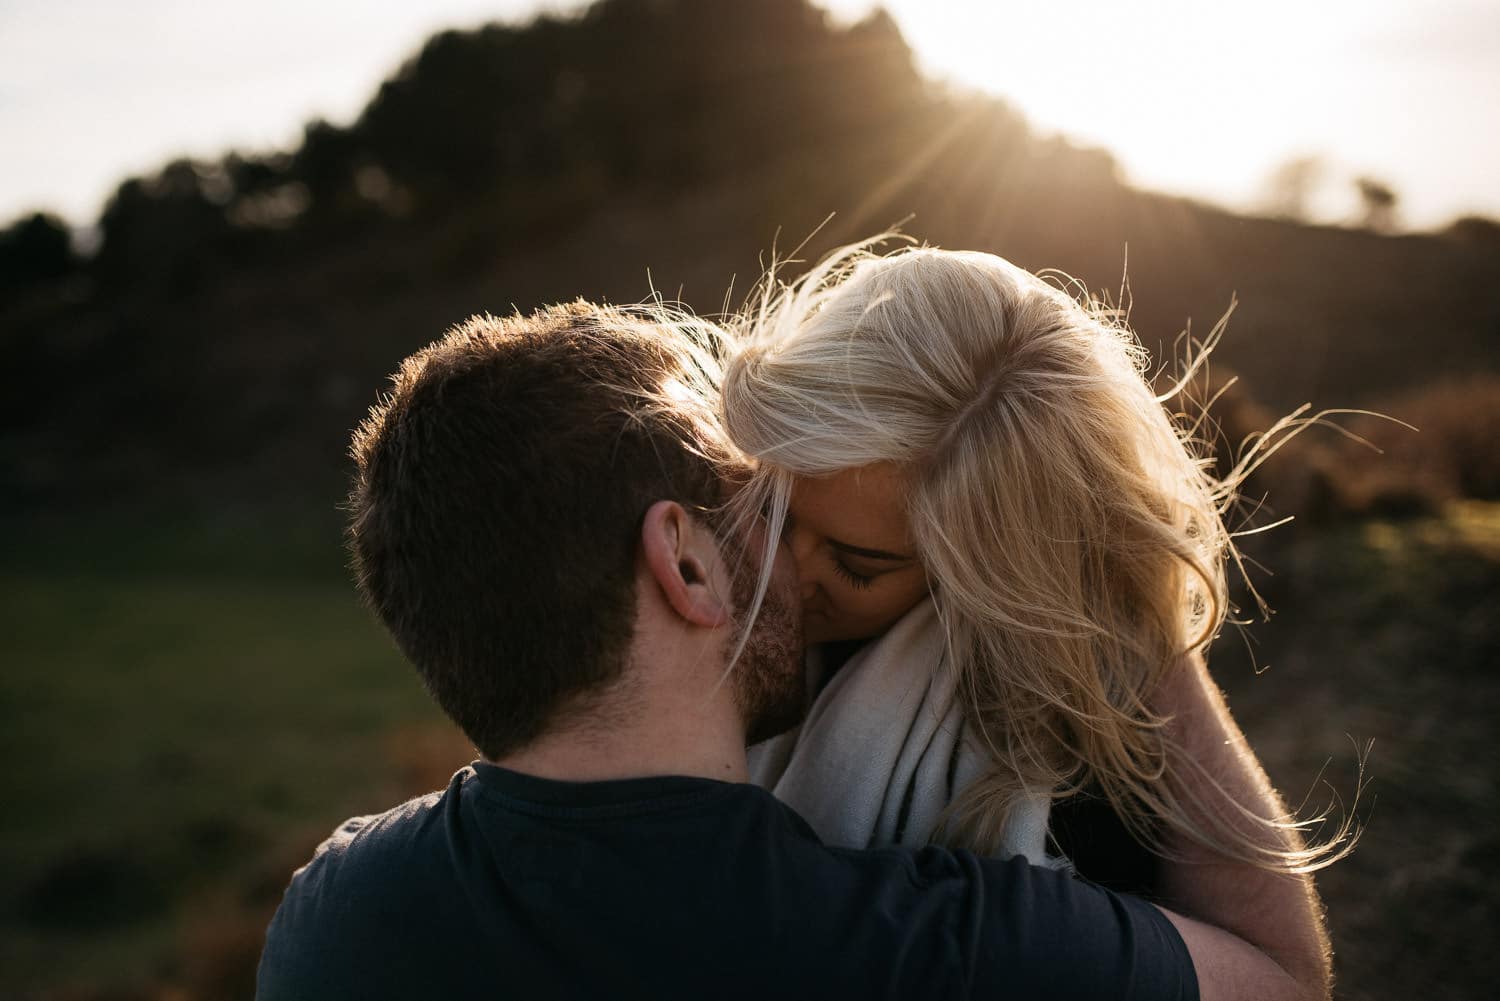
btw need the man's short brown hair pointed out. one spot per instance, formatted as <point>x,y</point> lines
<point>497,502</point>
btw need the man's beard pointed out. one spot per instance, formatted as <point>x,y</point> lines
<point>770,684</point>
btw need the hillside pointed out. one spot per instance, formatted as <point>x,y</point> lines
<point>240,315</point>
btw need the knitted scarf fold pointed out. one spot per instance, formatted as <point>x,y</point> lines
<point>883,750</point>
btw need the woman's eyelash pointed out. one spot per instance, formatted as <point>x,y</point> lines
<point>855,579</point>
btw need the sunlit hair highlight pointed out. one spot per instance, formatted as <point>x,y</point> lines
<point>1072,528</point>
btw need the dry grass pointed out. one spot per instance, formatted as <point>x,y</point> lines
<point>1387,631</point>
<point>1414,455</point>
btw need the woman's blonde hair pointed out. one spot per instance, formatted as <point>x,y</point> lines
<point>1072,530</point>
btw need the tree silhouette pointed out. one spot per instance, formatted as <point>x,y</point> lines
<point>325,164</point>
<point>163,233</point>
<point>1378,204</point>
<point>35,250</point>
<point>632,92</point>
<point>1291,185</point>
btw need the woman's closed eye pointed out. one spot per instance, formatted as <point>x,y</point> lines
<point>854,578</point>
<point>859,567</point>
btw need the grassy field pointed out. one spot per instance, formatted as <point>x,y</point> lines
<point>185,721</point>
<point>185,732</point>
<point>1388,636</point>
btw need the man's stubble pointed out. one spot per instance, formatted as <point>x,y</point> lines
<point>770,684</point>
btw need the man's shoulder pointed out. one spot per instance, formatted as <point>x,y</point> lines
<point>340,904</point>
<point>373,838</point>
<point>378,831</point>
<point>366,856</point>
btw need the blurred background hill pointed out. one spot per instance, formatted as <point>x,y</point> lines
<point>192,696</point>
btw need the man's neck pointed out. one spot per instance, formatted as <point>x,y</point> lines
<point>702,740</point>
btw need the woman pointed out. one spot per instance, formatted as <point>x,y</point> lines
<point>972,465</point>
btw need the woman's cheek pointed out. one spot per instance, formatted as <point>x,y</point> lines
<point>870,610</point>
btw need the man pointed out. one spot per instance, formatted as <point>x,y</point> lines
<point>542,537</point>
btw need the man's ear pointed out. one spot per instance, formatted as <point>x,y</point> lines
<point>680,553</point>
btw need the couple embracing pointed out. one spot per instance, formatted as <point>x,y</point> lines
<point>999,768</point>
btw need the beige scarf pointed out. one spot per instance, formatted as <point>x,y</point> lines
<point>883,750</point>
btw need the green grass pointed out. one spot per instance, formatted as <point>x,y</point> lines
<point>178,733</point>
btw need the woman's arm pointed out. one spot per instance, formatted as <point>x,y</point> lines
<point>1233,916</point>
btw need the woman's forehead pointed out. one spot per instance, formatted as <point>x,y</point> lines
<point>864,506</point>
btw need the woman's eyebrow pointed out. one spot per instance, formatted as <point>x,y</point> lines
<point>872,554</point>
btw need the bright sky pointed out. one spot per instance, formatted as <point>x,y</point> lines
<point>1192,96</point>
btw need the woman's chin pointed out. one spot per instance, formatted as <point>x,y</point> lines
<point>820,629</point>
<point>816,628</point>
<point>812,635</point>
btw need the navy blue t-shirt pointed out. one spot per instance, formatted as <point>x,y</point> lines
<point>507,885</point>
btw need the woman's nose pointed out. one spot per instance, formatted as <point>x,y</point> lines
<point>803,545</point>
